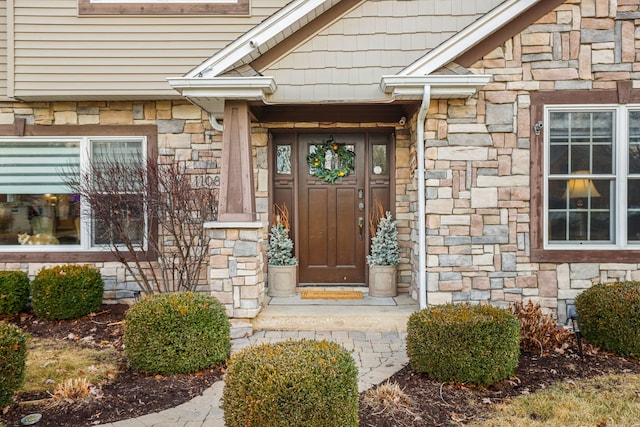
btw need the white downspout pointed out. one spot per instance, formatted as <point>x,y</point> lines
<point>214,123</point>
<point>422,232</point>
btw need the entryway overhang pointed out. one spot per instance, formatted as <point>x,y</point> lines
<point>210,93</point>
<point>442,86</point>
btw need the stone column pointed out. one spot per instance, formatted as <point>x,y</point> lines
<point>236,263</point>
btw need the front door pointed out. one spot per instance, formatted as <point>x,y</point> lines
<point>330,222</point>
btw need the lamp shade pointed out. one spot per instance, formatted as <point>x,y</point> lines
<point>581,188</point>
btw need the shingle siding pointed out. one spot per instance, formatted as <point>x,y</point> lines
<point>375,39</point>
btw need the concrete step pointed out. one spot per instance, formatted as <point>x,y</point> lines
<point>327,317</point>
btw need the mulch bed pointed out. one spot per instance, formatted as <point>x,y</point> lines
<point>133,394</point>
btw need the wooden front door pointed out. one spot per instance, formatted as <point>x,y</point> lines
<point>332,217</point>
<point>330,223</point>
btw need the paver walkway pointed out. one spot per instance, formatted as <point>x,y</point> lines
<point>378,355</point>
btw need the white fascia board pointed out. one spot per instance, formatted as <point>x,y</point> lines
<point>255,37</point>
<point>224,87</point>
<point>442,86</point>
<point>467,38</point>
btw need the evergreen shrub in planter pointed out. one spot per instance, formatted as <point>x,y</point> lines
<point>384,258</point>
<point>175,333</point>
<point>293,383</point>
<point>609,316</point>
<point>283,265</point>
<point>13,356</point>
<point>478,344</point>
<point>66,291</point>
<point>14,291</point>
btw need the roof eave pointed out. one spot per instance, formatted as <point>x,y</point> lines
<point>210,93</point>
<point>250,41</point>
<point>442,86</point>
<point>452,48</point>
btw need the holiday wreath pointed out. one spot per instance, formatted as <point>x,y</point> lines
<point>341,161</point>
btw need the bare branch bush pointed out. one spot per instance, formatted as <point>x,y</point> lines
<point>164,251</point>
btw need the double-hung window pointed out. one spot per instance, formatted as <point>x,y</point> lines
<point>39,210</point>
<point>592,177</point>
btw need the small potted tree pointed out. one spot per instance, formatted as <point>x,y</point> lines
<point>283,266</point>
<point>384,258</point>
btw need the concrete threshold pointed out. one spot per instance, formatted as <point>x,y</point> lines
<point>327,317</point>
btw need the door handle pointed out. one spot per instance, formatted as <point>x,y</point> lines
<point>361,226</point>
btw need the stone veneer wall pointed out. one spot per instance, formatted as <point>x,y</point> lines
<point>478,159</point>
<point>236,267</point>
<point>184,135</point>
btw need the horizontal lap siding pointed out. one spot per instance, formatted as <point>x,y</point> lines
<point>3,49</point>
<point>61,55</point>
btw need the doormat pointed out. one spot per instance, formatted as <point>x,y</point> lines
<point>331,295</point>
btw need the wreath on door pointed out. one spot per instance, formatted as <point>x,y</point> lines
<point>336,156</point>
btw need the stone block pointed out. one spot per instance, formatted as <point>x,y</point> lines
<point>450,276</point>
<point>170,126</point>
<point>584,271</point>
<point>439,206</point>
<point>509,261</point>
<point>527,281</point>
<point>187,111</point>
<point>454,260</point>
<point>548,284</point>
<point>499,114</point>
<point>110,117</point>
<point>481,283</point>
<point>479,295</point>
<point>503,181</point>
<point>597,36</point>
<point>462,153</point>
<point>470,139</point>
<point>439,298</point>
<point>484,198</point>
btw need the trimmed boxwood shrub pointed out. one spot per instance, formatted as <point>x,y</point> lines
<point>66,291</point>
<point>13,356</point>
<point>478,344</point>
<point>14,291</point>
<point>609,315</point>
<point>292,383</point>
<point>173,333</point>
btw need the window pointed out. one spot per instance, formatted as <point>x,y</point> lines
<point>163,7</point>
<point>592,177</point>
<point>37,206</point>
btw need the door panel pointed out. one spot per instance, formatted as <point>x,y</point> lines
<point>331,220</point>
<point>330,248</point>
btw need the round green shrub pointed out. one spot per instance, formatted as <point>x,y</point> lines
<point>174,333</point>
<point>293,383</point>
<point>609,315</point>
<point>13,356</point>
<point>66,291</point>
<point>14,291</point>
<point>478,344</point>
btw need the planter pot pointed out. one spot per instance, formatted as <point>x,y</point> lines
<point>382,281</point>
<point>282,280</point>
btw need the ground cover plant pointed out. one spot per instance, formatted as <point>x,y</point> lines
<point>423,402</point>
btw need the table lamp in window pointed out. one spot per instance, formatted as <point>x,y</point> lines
<point>581,189</point>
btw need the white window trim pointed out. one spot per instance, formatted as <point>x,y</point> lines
<point>85,210</point>
<point>619,198</point>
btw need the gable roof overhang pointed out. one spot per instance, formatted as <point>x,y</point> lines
<point>210,93</point>
<point>208,87</point>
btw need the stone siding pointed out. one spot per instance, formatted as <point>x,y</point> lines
<point>478,159</point>
<point>184,135</point>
